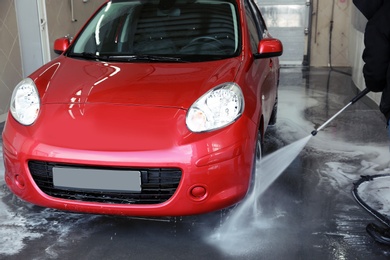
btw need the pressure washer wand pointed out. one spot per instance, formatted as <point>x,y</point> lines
<point>359,96</point>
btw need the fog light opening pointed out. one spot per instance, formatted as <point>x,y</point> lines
<point>19,181</point>
<point>198,192</point>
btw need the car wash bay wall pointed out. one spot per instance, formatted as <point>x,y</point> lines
<point>308,24</point>
<point>61,20</point>
<point>330,33</point>
<point>10,59</point>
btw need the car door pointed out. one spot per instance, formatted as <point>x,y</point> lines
<point>264,71</point>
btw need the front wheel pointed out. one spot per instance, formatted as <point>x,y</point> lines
<point>272,120</point>
<point>256,161</point>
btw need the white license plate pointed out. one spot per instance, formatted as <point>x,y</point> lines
<point>97,179</point>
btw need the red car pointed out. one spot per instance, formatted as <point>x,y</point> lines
<point>156,108</point>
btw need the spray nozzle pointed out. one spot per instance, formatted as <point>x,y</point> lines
<point>314,132</point>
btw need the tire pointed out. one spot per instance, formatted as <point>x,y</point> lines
<point>256,160</point>
<point>272,120</point>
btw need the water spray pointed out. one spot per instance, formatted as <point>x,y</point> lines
<point>359,96</point>
<point>245,218</point>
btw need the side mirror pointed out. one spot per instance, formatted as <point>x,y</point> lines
<point>268,48</point>
<point>61,44</point>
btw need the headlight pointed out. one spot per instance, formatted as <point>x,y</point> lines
<point>25,102</point>
<point>217,108</point>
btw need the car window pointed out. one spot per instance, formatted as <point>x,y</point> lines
<point>201,29</point>
<point>259,18</point>
<point>254,34</point>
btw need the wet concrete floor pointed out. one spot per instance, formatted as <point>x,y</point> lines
<point>307,213</point>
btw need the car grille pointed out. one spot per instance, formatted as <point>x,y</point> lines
<point>157,185</point>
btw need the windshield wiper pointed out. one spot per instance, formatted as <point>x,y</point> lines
<point>141,57</point>
<point>90,55</point>
<point>146,57</point>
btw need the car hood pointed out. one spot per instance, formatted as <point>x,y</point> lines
<point>68,80</point>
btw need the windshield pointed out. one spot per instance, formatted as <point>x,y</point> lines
<point>181,29</point>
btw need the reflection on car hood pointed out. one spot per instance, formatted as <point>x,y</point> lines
<point>68,80</point>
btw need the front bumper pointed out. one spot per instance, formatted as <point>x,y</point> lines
<point>215,170</point>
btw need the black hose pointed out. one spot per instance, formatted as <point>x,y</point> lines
<point>384,219</point>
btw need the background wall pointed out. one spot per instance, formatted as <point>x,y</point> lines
<point>59,23</point>
<point>308,28</point>
<point>324,12</point>
<point>10,60</point>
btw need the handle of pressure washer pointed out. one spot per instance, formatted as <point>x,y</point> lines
<point>360,95</point>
